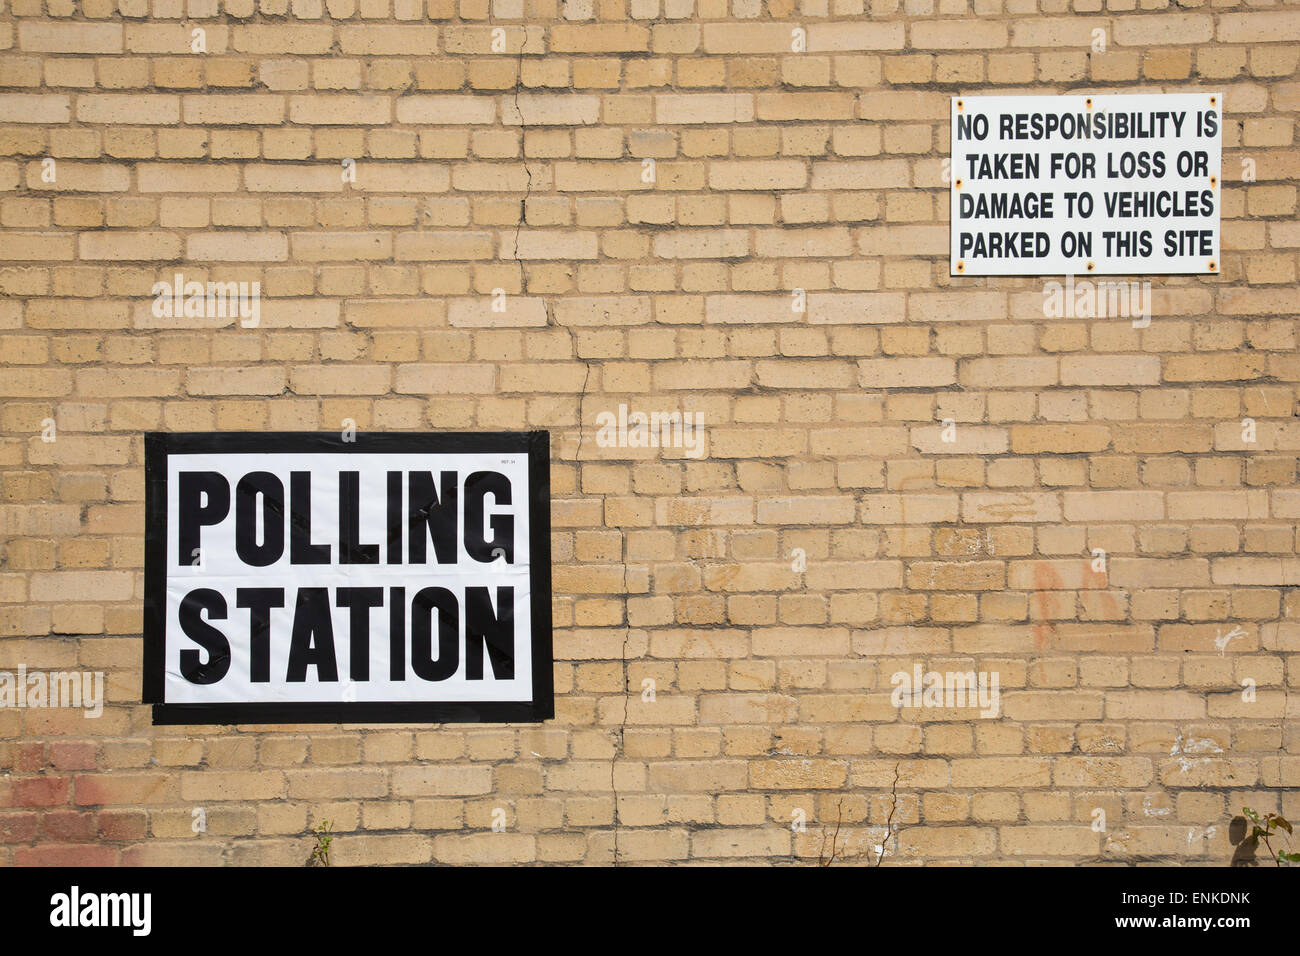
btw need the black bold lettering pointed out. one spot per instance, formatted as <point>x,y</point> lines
<point>203,499</point>
<point>394,517</point>
<point>301,549</point>
<point>360,601</point>
<point>193,668</point>
<point>497,631</point>
<point>312,642</point>
<point>433,516</point>
<point>397,633</point>
<point>269,488</point>
<point>422,608</point>
<point>259,602</point>
<point>477,486</point>
<point>351,551</point>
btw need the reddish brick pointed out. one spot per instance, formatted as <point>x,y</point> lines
<point>121,826</point>
<point>69,826</point>
<point>52,854</point>
<point>72,755</point>
<point>18,827</point>
<point>40,791</point>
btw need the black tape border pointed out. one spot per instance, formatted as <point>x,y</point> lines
<point>535,444</point>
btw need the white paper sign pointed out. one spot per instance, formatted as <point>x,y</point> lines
<point>1086,184</point>
<point>361,578</point>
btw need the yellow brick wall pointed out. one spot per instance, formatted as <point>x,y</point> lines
<point>828,537</point>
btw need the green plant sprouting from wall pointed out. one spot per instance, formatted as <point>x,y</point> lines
<point>320,853</point>
<point>1267,828</point>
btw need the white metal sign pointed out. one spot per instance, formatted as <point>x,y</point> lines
<point>1080,184</point>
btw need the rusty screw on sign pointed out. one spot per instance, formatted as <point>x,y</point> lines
<point>1214,184</point>
<point>961,265</point>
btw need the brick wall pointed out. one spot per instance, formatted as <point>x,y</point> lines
<point>368,164</point>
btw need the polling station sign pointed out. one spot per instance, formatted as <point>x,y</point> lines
<point>336,577</point>
<point>1080,184</point>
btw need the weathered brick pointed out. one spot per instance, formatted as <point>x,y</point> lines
<point>81,38</point>
<point>906,372</point>
<point>543,109</point>
<point>237,247</point>
<point>145,109</point>
<point>691,108</point>
<point>240,109</point>
<point>44,108</point>
<point>445,110</point>
<point>122,246</point>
